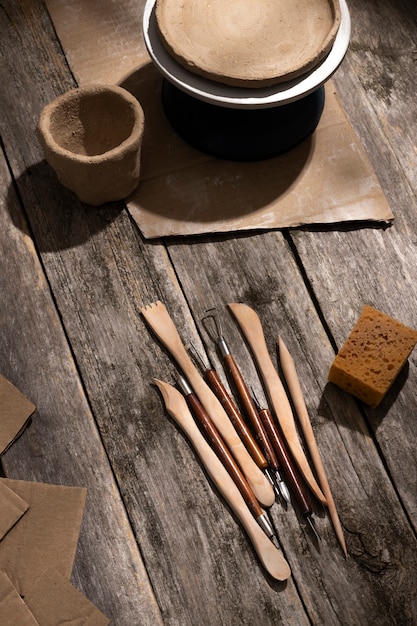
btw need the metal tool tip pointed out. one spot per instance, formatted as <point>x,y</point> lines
<point>310,520</point>
<point>284,491</point>
<point>184,384</point>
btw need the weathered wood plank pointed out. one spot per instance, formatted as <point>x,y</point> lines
<point>62,445</point>
<point>377,84</point>
<point>101,272</point>
<point>202,568</point>
<point>261,271</point>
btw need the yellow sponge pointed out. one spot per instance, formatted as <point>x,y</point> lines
<point>372,356</point>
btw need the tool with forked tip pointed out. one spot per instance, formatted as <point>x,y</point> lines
<point>158,318</point>
<point>226,458</point>
<point>261,435</point>
<point>213,380</point>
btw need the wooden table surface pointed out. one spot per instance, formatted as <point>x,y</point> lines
<point>158,545</point>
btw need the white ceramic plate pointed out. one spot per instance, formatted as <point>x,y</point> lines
<point>236,97</point>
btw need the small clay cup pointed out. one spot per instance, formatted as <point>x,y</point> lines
<point>92,137</point>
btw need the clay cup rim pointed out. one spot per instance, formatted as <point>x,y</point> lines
<point>92,123</point>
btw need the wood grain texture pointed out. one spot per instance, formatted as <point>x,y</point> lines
<point>268,279</point>
<point>157,544</point>
<point>62,445</point>
<point>380,264</point>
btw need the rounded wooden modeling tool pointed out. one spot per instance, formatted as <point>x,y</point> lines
<point>291,377</point>
<point>251,327</point>
<point>269,555</point>
<point>160,321</point>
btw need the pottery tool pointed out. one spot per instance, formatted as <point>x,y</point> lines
<point>251,327</point>
<point>226,458</point>
<point>214,382</point>
<point>293,479</point>
<point>292,380</point>
<point>163,326</point>
<point>247,402</point>
<point>269,555</point>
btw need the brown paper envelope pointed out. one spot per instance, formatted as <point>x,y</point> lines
<point>15,411</point>
<point>53,600</point>
<point>46,536</point>
<point>13,611</point>
<point>12,507</point>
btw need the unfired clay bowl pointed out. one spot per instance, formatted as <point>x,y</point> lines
<point>92,137</point>
<point>248,43</point>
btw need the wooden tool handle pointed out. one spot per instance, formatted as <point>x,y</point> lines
<point>291,377</point>
<point>250,410</point>
<point>252,328</point>
<point>254,475</point>
<point>157,316</point>
<point>224,455</point>
<point>271,558</point>
<point>292,478</point>
<point>237,420</point>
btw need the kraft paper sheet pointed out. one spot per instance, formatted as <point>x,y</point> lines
<point>46,535</point>
<point>13,610</point>
<point>15,411</point>
<point>39,530</point>
<point>326,180</point>
<point>12,507</point>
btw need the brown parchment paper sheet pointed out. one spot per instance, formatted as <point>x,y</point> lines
<point>13,610</point>
<point>53,600</point>
<point>12,507</point>
<point>39,530</point>
<point>327,179</point>
<point>47,534</point>
<point>15,411</point>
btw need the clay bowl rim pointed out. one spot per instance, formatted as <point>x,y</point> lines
<point>87,91</point>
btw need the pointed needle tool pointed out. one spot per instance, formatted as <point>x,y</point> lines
<point>213,380</point>
<point>245,397</point>
<point>292,477</point>
<point>271,557</point>
<point>226,457</point>
<point>292,380</point>
<point>251,327</point>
